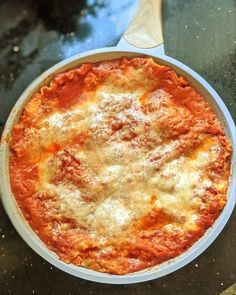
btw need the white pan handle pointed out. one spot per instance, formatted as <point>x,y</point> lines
<point>145,29</point>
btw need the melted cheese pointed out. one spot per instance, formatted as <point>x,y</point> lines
<point>127,175</point>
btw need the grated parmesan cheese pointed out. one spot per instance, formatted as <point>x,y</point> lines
<point>127,176</point>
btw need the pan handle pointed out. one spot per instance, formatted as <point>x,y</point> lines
<point>145,29</point>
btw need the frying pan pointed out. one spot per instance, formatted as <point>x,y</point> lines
<point>143,37</point>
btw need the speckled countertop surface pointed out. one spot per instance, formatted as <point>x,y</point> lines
<point>37,34</point>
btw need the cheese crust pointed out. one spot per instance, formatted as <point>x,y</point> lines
<point>119,165</point>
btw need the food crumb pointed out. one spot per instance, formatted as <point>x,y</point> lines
<point>16,49</point>
<point>3,236</point>
<point>196,265</point>
<point>221,284</point>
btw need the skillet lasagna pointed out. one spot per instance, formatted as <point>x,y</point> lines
<point>119,165</point>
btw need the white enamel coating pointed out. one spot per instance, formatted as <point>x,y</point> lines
<point>21,225</point>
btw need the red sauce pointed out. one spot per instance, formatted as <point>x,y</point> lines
<point>155,220</point>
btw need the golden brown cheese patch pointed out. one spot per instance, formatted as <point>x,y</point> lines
<point>119,165</point>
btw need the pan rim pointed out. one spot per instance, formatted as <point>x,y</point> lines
<point>33,240</point>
